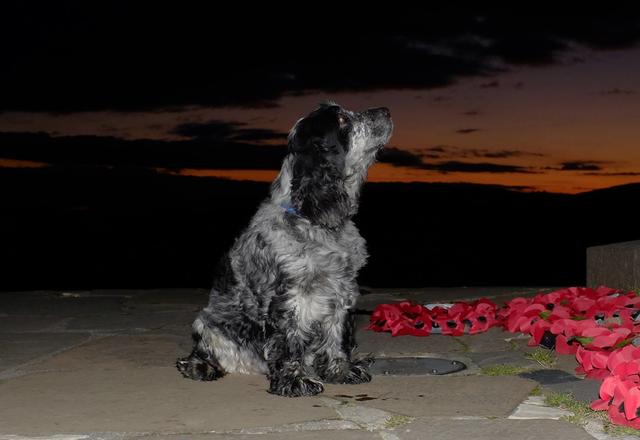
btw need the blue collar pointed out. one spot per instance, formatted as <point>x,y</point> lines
<point>289,208</point>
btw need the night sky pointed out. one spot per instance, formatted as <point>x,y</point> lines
<point>533,101</point>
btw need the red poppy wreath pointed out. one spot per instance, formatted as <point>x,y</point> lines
<point>600,326</point>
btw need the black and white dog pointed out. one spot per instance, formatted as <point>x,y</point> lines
<point>280,301</point>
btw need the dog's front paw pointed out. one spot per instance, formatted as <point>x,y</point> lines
<point>358,373</point>
<point>342,371</point>
<point>296,386</point>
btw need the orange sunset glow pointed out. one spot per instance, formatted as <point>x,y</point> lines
<point>569,127</point>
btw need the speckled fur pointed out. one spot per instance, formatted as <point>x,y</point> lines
<point>281,298</point>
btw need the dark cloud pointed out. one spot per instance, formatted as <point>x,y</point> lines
<point>617,91</point>
<point>118,56</point>
<point>222,131</point>
<point>449,151</point>
<point>503,154</point>
<point>627,173</point>
<point>490,85</point>
<point>432,152</point>
<point>471,113</point>
<point>199,153</point>
<point>580,165</point>
<point>403,158</point>
<point>470,167</point>
<point>118,152</point>
<point>467,130</point>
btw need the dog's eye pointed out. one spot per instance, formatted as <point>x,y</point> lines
<point>342,120</point>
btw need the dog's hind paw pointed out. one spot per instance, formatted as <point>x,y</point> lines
<point>296,386</point>
<point>193,367</point>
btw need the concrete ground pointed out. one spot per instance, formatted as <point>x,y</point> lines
<point>100,365</point>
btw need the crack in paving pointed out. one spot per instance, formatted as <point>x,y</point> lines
<point>371,419</point>
<point>388,436</point>
<point>352,417</point>
<point>533,407</point>
<point>314,425</point>
<point>13,372</point>
<point>45,437</point>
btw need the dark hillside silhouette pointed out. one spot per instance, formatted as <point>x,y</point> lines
<point>81,227</point>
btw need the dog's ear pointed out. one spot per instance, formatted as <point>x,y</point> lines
<point>318,192</point>
<point>295,142</point>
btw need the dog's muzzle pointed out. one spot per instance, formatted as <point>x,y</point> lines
<point>380,124</point>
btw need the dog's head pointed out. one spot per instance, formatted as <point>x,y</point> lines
<point>331,150</point>
<point>333,132</point>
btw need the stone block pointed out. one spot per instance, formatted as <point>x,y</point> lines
<point>615,265</point>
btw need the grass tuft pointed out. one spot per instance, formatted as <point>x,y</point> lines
<point>543,356</point>
<point>582,412</point>
<point>463,344</point>
<point>502,370</point>
<point>396,420</point>
<point>537,391</point>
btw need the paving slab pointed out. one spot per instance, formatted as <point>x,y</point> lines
<point>118,352</point>
<point>294,435</point>
<point>20,348</point>
<point>558,381</point>
<point>30,323</point>
<point>385,345</point>
<point>99,364</point>
<point>131,320</point>
<point>491,358</point>
<point>493,340</point>
<point>56,304</point>
<point>484,429</point>
<point>144,400</point>
<point>415,366</point>
<point>163,296</point>
<point>446,396</point>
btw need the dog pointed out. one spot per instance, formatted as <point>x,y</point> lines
<point>281,298</point>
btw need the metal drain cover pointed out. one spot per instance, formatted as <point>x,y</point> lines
<point>414,366</point>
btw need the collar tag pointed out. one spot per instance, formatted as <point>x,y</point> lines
<point>289,208</point>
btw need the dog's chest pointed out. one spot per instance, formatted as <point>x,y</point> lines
<point>322,265</point>
<point>320,273</point>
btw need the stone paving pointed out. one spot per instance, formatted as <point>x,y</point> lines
<point>99,365</point>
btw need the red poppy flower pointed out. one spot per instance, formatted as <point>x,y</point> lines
<point>632,402</point>
<point>537,330</point>
<point>628,353</point>
<point>565,347</point>
<point>402,318</point>
<point>592,363</point>
<point>624,403</point>
<point>481,317</point>
<point>450,325</point>
<point>606,394</point>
